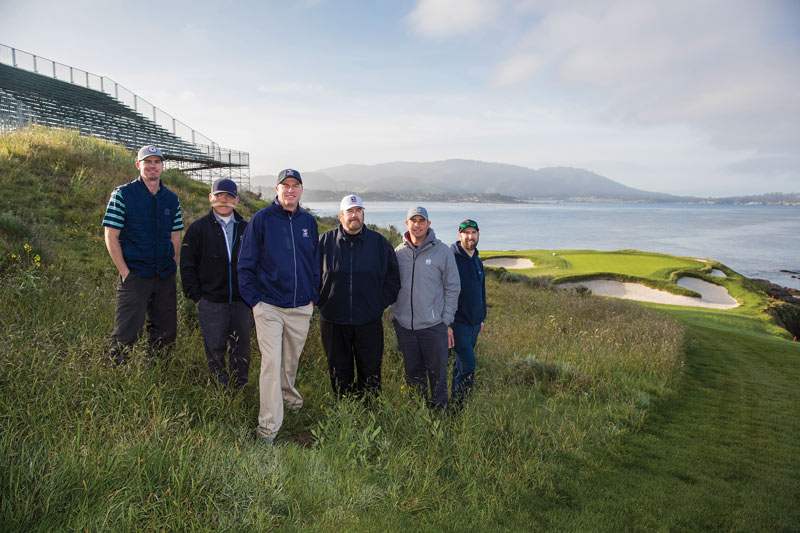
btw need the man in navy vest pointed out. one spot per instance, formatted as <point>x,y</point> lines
<point>142,226</point>
<point>208,274</point>
<point>471,312</point>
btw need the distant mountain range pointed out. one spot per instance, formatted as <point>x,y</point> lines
<point>462,180</point>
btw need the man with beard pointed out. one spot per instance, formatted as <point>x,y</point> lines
<point>471,312</point>
<point>359,279</point>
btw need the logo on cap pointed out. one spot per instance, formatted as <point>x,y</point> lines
<point>152,149</point>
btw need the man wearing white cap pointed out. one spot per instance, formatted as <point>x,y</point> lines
<point>359,279</point>
<point>142,226</point>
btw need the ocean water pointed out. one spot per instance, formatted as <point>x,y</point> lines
<point>756,241</point>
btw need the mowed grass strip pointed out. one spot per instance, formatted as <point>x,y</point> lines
<point>721,454</point>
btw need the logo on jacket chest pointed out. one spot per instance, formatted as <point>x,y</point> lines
<point>428,261</point>
<point>305,232</point>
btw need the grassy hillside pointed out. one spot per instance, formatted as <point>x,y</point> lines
<point>564,387</point>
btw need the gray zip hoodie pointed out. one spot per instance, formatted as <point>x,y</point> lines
<point>429,283</point>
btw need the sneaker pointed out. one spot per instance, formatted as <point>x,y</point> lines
<point>293,407</point>
<point>269,441</point>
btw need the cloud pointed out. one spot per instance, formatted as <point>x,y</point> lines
<point>727,68</point>
<point>290,87</point>
<point>446,18</point>
<point>517,68</point>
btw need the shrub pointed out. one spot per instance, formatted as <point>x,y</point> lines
<point>13,225</point>
<point>559,374</point>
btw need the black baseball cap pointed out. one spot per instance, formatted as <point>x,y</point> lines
<point>469,223</point>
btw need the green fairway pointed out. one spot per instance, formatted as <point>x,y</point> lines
<point>720,454</point>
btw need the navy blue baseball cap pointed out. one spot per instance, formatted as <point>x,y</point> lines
<point>289,173</point>
<point>225,185</point>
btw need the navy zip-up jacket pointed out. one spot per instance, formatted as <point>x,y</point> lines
<point>146,222</point>
<point>359,276</point>
<point>472,298</point>
<point>278,261</point>
<point>206,271</point>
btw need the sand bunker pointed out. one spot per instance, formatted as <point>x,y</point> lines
<point>510,263</point>
<point>718,273</point>
<point>713,296</point>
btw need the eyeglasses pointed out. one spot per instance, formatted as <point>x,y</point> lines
<point>468,224</point>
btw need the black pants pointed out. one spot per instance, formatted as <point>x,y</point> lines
<point>226,331</point>
<point>138,299</point>
<point>346,345</point>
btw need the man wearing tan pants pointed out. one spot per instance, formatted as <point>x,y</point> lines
<point>279,279</point>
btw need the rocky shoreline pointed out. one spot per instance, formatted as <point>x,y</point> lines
<point>786,309</point>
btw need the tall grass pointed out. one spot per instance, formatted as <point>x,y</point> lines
<point>156,445</point>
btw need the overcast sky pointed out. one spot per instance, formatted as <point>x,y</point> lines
<point>680,96</point>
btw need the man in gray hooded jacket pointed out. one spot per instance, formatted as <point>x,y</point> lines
<point>425,307</point>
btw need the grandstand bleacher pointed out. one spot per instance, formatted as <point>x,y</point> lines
<point>28,97</point>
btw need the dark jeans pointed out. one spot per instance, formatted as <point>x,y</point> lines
<point>345,344</point>
<point>226,331</point>
<point>425,360</point>
<point>139,298</point>
<point>465,337</point>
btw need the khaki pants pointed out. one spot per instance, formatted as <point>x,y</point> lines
<point>281,336</point>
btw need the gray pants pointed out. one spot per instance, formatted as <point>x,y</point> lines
<point>139,298</point>
<point>226,331</point>
<point>425,360</point>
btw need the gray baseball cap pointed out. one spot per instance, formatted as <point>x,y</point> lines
<point>147,151</point>
<point>419,210</point>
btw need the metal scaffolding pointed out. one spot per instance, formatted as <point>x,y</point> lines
<point>35,90</point>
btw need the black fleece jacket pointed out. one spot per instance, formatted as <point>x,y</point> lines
<point>206,271</point>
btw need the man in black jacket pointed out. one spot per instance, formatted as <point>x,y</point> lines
<point>359,279</point>
<point>208,273</point>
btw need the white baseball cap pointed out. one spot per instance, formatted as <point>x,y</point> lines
<point>350,201</point>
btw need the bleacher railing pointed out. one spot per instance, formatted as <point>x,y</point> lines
<point>46,67</point>
<point>13,113</point>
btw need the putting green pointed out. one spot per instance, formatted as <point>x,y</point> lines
<point>560,263</point>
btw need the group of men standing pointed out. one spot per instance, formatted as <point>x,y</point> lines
<point>273,270</point>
